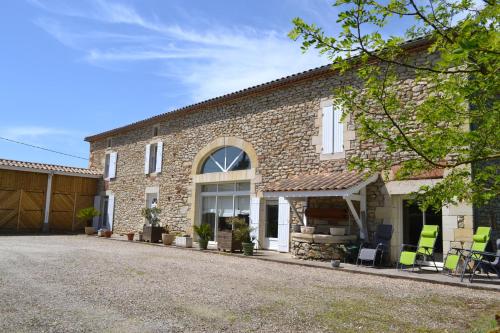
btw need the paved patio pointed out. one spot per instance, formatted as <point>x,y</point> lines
<point>85,284</point>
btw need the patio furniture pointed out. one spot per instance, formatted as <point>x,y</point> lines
<point>424,249</point>
<point>486,265</point>
<point>351,252</point>
<point>370,251</point>
<point>456,255</point>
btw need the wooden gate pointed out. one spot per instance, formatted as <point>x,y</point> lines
<point>69,195</point>
<point>22,199</point>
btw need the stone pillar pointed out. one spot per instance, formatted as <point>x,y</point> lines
<point>457,226</point>
<point>48,197</point>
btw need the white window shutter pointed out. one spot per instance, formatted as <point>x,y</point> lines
<point>283,225</point>
<point>146,159</point>
<point>97,205</point>
<point>254,218</point>
<point>159,156</point>
<point>112,165</point>
<point>111,210</point>
<point>327,146</point>
<point>338,131</point>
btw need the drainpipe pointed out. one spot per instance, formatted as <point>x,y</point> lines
<point>48,197</point>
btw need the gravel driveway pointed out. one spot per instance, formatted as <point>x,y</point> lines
<point>79,283</point>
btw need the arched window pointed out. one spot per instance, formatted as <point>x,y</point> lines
<point>226,159</point>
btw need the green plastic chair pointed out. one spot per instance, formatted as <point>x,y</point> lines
<point>425,248</point>
<point>479,242</point>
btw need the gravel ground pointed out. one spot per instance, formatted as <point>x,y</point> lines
<point>81,284</point>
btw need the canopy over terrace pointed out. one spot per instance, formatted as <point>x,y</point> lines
<point>349,185</point>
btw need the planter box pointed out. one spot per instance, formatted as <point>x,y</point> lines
<point>227,242</point>
<point>167,239</point>
<point>184,241</point>
<point>337,231</point>
<point>90,230</point>
<point>152,234</point>
<point>307,230</point>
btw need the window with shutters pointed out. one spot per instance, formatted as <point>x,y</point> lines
<point>110,165</point>
<point>153,150</point>
<point>332,131</point>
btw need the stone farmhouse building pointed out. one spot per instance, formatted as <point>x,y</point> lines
<point>276,153</point>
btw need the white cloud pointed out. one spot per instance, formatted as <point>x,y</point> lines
<point>209,60</point>
<point>20,132</point>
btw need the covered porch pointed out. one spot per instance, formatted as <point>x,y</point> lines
<point>328,212</point>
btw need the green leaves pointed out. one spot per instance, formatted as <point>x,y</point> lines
<point>435,109</point>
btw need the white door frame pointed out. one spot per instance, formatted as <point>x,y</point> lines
<point>270,243</point>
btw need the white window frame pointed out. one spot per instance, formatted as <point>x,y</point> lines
<point>330,148</point>
<point>153,158</point>
<point>110,168</point>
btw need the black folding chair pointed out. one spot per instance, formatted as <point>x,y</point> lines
<point>482,263</point>
<point>380,246</point>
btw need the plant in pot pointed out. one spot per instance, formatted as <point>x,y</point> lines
<point>130,235</point>
<point>166,237</point>
<point>204,233</point>
<point>152,231</point>
<point>243,232</point>
<point>184,239</point>
<point>87,215</point>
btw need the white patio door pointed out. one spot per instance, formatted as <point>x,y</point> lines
<point>283,225</point>
<point>271,224</point>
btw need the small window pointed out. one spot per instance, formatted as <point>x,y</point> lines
<point>106,166</point>
<point>109,142</point>
<point>156,129</point>
<point>152,157</point>
<point>333,130</point>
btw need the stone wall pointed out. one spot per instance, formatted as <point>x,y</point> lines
<point>281,125</point>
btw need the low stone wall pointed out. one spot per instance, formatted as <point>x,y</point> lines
<point>318,247</point>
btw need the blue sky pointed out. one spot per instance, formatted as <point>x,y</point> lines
<point>74,68</point>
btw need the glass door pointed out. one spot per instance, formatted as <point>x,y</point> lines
<point>222,201</point>
<point>271,225</point>
<point>103,220</point>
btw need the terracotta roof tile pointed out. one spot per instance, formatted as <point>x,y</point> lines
<point>33,166</point>
<point>320,182</point>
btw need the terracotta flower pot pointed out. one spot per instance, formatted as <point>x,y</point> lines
<point>167,239</point>
<point>130,236</point>
<point>108,233</point>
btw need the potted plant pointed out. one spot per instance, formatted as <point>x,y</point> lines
<point>166,237</point>
<point>204,232</point>
<point>152,231</point>
<point>130,235</point>
<point>183,240</point>
<point>225,235</point>
<point>242,232</point>
<point>108,233</point>
<point>87,215</point>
